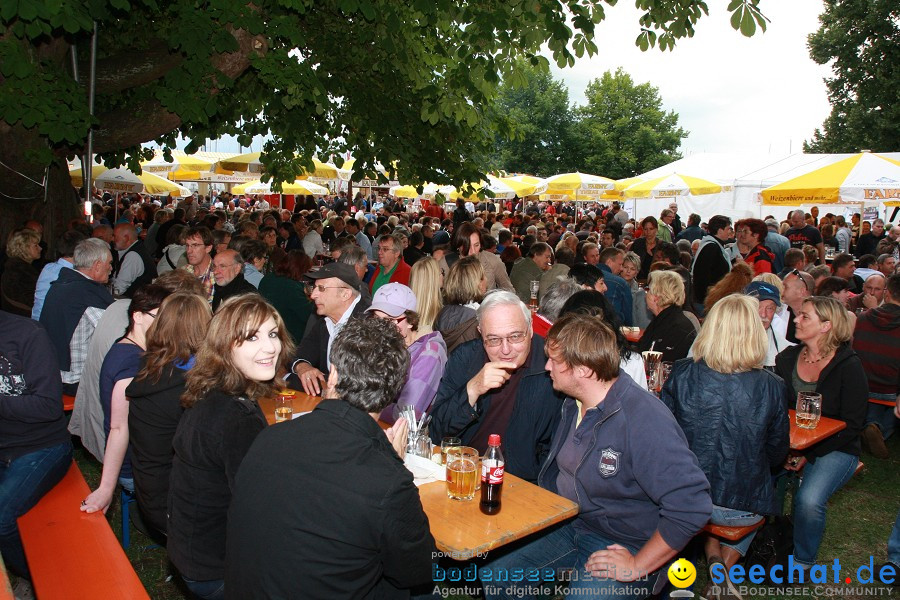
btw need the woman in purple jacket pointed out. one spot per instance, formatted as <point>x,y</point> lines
<point>427,350</point>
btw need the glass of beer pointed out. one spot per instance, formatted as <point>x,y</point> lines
<point>284,407</point>
<point>446,443</point>
<point>462,471</point>
<point>809,409</point>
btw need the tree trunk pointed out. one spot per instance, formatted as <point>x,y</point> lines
<point>22,187</point>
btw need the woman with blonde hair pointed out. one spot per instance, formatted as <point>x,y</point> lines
<point>426,281</point>
<point>734,415</point>
<point>823,362</point>
<point>20,276</point>
<point>155,398</point>
<point>464,287</point>
<point>246,346</point>
<point>669,332</point>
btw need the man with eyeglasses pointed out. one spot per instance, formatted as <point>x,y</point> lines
<point>198,244</point>
<point>335,293</point>
<point>498,384</point>
<point>391,266</point>
<point>228,268</point>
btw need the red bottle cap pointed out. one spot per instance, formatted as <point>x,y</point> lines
<point>494,439</point>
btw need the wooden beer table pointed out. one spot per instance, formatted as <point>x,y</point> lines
<point>462,532</point>
<point>801,439</point>
<point>302,403</point>
<point>459,528</point>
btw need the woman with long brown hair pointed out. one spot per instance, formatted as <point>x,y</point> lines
<point>246,346</point>
<point>155,398</point>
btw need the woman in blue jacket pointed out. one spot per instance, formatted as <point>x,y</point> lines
<point>733,413</point>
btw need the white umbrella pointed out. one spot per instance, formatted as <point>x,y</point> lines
<point>123,180</point>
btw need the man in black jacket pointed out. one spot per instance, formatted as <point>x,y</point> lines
<point>337,299</point>
<point>323,507</point>
<point>228,269</point>
<point>73,308</point>
<point>711,262</point>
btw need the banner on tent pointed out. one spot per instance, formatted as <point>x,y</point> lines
<point>881,193</point>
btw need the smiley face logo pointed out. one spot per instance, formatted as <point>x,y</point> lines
<point>682,573</point>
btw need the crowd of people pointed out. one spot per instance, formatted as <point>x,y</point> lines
<point>167,324</point>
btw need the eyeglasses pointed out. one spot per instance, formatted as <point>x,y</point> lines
<point>513,338</point>
<point>387,317</point>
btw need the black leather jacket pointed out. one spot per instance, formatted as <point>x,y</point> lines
<point>737,426</point>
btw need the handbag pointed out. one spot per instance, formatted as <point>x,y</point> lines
<point>772,545</point>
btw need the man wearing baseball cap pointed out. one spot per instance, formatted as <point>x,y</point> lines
<point>769,301</point>
<point>337,299</point>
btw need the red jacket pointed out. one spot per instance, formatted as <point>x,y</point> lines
<point>400,275</point>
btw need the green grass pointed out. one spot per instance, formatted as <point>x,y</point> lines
<point>860,518</point>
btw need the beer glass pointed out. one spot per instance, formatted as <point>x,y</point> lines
<point>284,407</point>
<point>665,369</point>
<point>651,368</point>
<point>462,470</point>
<point>446,443</point>
<point>533,287</point>
<point>809,409</point>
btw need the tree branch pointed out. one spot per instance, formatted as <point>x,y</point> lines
<point>149,119</point>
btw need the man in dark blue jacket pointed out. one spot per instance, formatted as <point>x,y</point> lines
<point>498,384</point>
<point>619,453</point>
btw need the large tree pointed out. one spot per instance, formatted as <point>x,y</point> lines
<point>409,81</point>
<point>860,39</point>
<point>624,129</point>
<point>540,141</point>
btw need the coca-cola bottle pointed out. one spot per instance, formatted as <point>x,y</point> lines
<point>492,476</point>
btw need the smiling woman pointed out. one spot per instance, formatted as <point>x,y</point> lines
<point>246,346</point>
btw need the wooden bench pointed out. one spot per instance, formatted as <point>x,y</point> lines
<point>72,554</point>
<point>5,589</point>
<point>882,402</point>
<point>732,534</point>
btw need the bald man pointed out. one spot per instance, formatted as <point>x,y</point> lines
<point>134,267</point>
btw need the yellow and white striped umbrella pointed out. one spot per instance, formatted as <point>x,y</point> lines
<point>298,187</point>
<point>674,185</point>
<point>503,188</point>
<point>864,177</point>
<point>429,190</point>
<point>180,162</point>
<point>251,162</point>
<point>579,186</point>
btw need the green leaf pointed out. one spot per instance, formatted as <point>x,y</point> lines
<point>748,24</point>
<point>367,9</point>
<point>736,18</point>
<point>27,9</point>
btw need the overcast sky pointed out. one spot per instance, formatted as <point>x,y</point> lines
<point>732,93</point>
